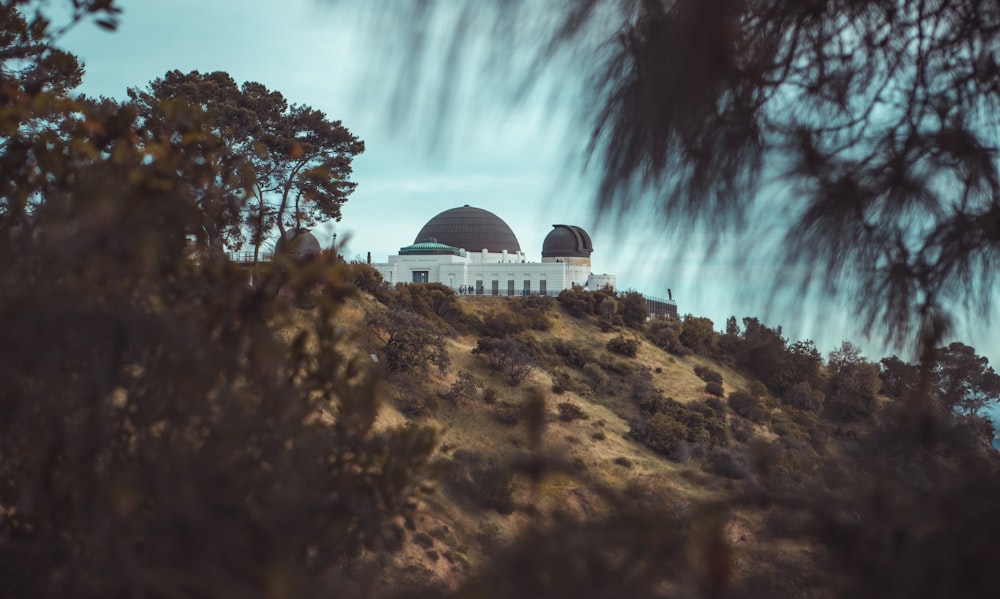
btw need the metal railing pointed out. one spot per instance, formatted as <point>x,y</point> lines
<point>247,257</point>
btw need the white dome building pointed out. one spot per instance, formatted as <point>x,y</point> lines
<point>474,252</point>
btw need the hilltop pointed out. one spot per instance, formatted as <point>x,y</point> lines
<point>610,418</point>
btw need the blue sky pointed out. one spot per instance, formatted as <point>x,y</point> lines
<point>513,160</point>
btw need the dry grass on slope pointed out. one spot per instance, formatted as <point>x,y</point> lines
<point>481,502</point>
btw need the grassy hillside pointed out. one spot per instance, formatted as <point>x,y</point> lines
<point>592,437</point>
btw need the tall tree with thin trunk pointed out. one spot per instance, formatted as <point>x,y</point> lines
<point>299,160</point>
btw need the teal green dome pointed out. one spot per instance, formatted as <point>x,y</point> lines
<point>429,247</point>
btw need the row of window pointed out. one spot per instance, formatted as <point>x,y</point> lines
<point>480,289</point>
<point>423,276</point>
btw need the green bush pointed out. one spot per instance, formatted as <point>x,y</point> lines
<point>536,310</point>
<point>508,355</point>
<point>435,301</point>
<point>574,353</point>
<point>365,278</point>
<point>633,309</point>
<point>717,404</point>
<point>698,334</point>
<point>663,434</point>
<point>577,302</point>
<point>465,388</point>
<point>622,346</point>
<point>664,423</point>
<point>665,334</point>
<point>715,389</point>
<point>748,406</point>
<point>709,375</point>
<point>502,324</point>
<point>411,343</point>
<point>804,397</point>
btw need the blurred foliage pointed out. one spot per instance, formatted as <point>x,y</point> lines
<point>165,429</point>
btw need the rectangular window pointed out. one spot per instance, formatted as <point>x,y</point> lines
<point>527,287</point>
<point>510,286</point>
<point>541,287</point>
<point>479,287</point>
<point>496,287</point>
<point>421,276</point>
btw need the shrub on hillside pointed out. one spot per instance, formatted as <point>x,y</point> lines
<point>465,388</point>
<point>663,418</point>
<point>508,355</point>
<point>715,389</point>
<point>577,302</point>
<point>717,404</point>
<point>713,419</point>
<point>411,343</point>
<point>853,383</point>
<point>698,334</point>
<point>607,310</point>
<point>748,406</point>
<point>570,411</point>
<point>502,324</point>
<point>365,278</point>
<point>435,301</point>
<point>633,309</point>
<point>815,429</point>
<point>536,310</point>
<point>662,433</point>
<point>574,353</point>
<point>804,397</point>
<point>622,346</point>
<point>709,375</point>
<point>665,334</point>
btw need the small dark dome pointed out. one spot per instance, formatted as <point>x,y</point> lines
<point>301,244</point>
<point>567,241</point>
<point>471,229</point>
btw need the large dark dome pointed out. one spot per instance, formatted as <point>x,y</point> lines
<point>470,228</point>
<point>567,241</point>
<point>301,244</point>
